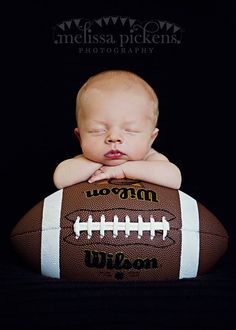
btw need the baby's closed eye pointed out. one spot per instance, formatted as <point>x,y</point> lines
<point>97,130</point>
<point>132,130</point>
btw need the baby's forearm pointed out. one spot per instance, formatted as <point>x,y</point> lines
<point>158,172</point>
<point>74,170</point>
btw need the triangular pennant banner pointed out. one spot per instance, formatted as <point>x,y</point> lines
<point>176,28</point>
<point>131,21</point>
<point>162,23</point>
<point>168,26</point>
<point>114,19</point>
<point>106,20</point>
<point>99,22</point>
<point>123,20</point>
<point>68,23</point>
<point>77,21</point>
<point>62,26</point>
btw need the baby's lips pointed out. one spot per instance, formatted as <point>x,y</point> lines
<point>114,152</point>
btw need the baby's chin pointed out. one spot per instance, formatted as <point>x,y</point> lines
<point>114,162</point>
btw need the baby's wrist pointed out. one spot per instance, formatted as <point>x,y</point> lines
<point>123,169</point>
<point>89,161</point>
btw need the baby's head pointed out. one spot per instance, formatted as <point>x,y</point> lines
<point>121,105</point>
<point>117,80</point>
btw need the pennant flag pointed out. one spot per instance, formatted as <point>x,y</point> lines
<point>168,26</point>
<point>162,23</point>
<point>123,20</point>
<point>68,23</point>
<point>62,26</point>
<point>77,21</point>
<point>131,21</point>
<point>99,22</point>
<point>106,20</point>
<point>176,28</point>
<point>114,19</point>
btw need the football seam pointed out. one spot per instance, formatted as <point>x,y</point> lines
<point>126,244</point>
<point>67,216</point>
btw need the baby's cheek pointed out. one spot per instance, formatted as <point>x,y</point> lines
<point>142,148</point>
<point>87,150</point>
<point>86,146</point>
<point>139,152</point>
<point>92,152</point>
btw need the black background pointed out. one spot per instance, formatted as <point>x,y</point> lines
<point>194,82</point>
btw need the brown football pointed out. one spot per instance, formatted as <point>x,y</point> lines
<point>125,230</point>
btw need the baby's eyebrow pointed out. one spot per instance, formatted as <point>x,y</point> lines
<point>99,122</point>
<point>104,123</point>
<point>130,122</point>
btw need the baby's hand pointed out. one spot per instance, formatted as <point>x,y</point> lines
<point>107,172</point>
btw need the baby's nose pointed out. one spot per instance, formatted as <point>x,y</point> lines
<point>114,137</point>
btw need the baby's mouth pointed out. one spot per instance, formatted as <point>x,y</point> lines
<point>114,154</point>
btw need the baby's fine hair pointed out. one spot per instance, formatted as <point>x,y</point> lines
<point>105,79</point>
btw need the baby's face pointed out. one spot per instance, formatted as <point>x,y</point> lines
<point>116,125</point>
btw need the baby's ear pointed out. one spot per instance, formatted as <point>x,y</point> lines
<point>154,134</point>
<point>77,133</point>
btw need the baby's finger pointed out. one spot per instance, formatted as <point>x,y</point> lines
<point>100,176</point>
<point>97,172</point>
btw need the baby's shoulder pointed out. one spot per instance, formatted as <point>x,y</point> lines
<point>78,156</point>
<point>155,155</point>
